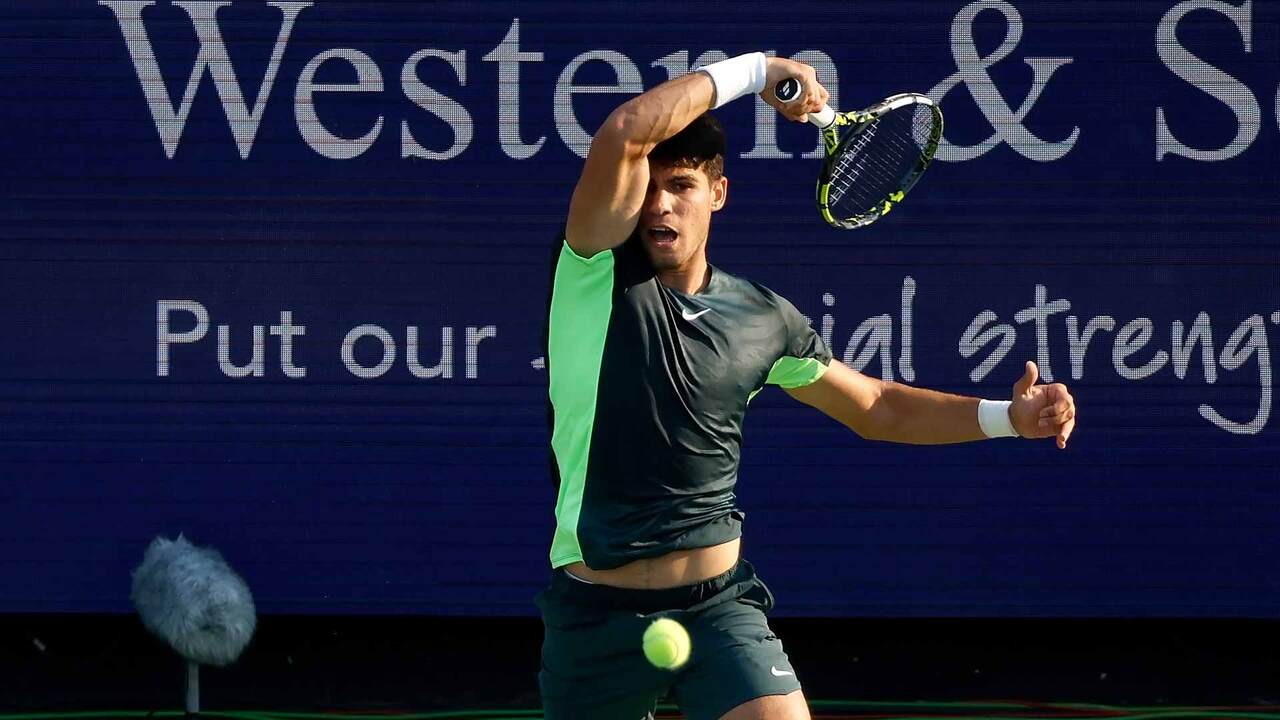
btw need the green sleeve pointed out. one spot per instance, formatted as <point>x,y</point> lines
<point>806,357</point>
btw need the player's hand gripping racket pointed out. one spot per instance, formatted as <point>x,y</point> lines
<point>873,156</point>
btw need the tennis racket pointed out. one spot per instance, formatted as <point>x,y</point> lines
<point>873,157</point>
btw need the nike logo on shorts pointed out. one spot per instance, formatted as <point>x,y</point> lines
<point>779,673</point>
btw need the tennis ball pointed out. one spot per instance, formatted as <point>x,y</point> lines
<point>666,644</point>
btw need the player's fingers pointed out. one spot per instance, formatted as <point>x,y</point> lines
<point>798,110</point>
<point>1056,408</point>
<point>1057,420</point>
<point>811,89</point>
<point>1065,433</point>
<point>803,115</point>
<point>1052,408</point>
<point>1058,397</point>
<point>795,111</point>
<point>819,98</point>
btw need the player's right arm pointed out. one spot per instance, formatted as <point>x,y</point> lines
<point>606,202</point>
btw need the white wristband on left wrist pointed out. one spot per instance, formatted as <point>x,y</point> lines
<point>993,418</point>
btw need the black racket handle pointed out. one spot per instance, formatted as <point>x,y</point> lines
<point>788,91</point>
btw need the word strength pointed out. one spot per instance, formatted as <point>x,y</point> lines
<point>1134,349</point>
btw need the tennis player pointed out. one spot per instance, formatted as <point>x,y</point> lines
<point>653,355</point>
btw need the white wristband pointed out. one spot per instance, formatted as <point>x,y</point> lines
<point>993,418</point>
<point>736,77</point>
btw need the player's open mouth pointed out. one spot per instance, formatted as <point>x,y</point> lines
<point>662,236</point>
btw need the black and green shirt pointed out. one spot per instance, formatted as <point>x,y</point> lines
<point>649,387</point>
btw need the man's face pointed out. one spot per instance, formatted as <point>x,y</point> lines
<point>676,215</point>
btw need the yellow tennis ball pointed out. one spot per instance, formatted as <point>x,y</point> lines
<point>666,644</point>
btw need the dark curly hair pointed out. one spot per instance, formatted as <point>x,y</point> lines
<point>701,145</point>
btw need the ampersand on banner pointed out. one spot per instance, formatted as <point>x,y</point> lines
<point>971,69</point>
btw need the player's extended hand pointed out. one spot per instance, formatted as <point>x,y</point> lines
<point>812,95</point>
<point>1041,411</point>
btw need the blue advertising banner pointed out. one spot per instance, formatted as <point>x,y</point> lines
<point>275,274</point>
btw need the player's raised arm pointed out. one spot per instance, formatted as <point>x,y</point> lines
<point>606,202</point>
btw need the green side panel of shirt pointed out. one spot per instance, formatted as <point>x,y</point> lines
<point>581,303</point>
<point>791,372</point>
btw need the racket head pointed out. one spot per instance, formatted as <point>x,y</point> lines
<point>874,157</point>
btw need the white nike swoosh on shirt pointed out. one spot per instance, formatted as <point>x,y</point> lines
<point>779,673</point>
<point>694,316</point>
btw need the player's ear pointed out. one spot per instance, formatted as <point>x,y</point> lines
<point>719,193</point>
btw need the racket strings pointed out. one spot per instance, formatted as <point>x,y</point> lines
<point>893,158</point>
<point>879,161</point>
<point>873,161</point>
<point>856,166</point>
<point>846,169</point>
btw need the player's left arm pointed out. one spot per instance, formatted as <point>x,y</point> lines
<point>879,410</point>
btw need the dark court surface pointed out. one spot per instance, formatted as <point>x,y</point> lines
<point>318,663</point>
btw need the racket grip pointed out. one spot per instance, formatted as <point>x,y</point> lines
<point>823,118</point>
<point>788,91</point>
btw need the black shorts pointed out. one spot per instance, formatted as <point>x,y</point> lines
<point>593,667</point>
